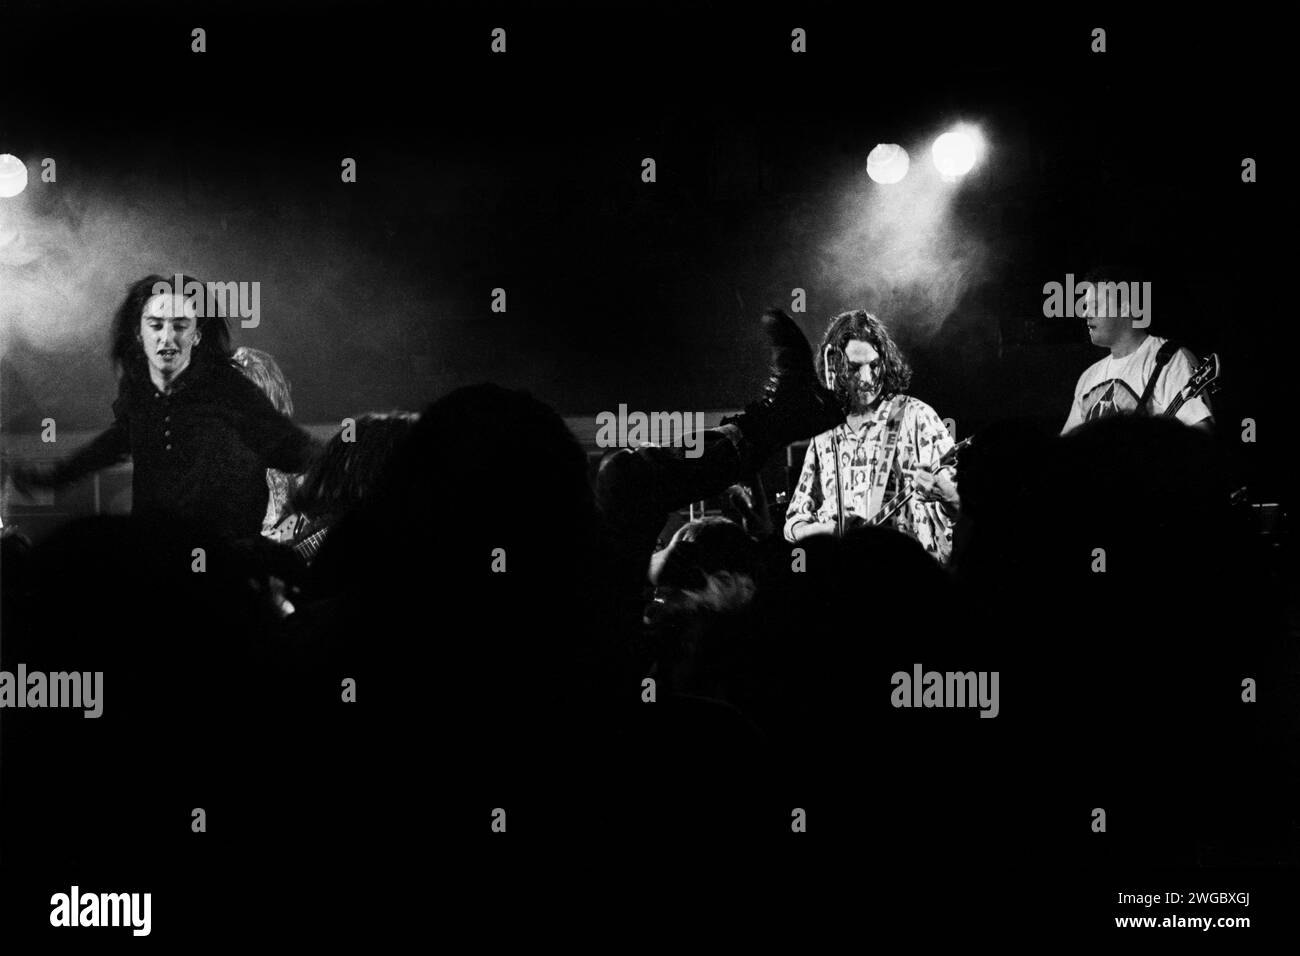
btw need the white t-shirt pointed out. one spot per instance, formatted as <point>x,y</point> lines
<point>1114,386</point>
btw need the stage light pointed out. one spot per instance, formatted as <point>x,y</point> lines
<point>13,176</point>
<point>887,163</point>
<point>956,152</point>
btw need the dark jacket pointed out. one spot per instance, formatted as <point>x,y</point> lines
<point>200,452</point>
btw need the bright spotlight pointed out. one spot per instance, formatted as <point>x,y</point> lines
<point>887,163</point>
<point>13,176</point>
<point>956,152</point>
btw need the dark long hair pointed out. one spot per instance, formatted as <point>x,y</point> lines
<point>124,349</point>
<point>347,472</point>
<point>865,327</point>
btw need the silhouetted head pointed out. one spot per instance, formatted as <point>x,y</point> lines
<point>494,462</point>
<point>475,551</point>
<point>702,547</point>
<point>350,468</point>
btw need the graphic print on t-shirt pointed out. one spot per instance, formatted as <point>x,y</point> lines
<point>1112,397</point>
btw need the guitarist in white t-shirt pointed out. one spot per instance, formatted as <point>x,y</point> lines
<point>1117,384</point>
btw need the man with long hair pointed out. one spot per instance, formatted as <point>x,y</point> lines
<point>890,443</point>
<point>199,433</point>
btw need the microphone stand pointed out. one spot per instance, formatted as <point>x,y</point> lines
<point>835,449</point>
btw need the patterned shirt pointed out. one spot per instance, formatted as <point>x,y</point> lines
<point>902,434</point>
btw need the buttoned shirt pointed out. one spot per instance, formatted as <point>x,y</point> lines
<point>200,449</point>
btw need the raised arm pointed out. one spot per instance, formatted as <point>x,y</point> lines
<point>108,448</point>
<point>282,444</point>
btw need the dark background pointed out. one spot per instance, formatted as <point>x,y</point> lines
<point>523,171</point>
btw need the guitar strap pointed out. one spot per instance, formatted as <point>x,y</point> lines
<point>1167,351</point>
<point>871,495</point>
<point>876,492</point>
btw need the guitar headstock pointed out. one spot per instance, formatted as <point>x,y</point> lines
<point>950,456</point>
<point>1204,379</point>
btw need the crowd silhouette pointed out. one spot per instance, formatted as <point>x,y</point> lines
<point>498,618</point>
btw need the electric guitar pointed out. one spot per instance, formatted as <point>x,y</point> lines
<point>1204,380</point>
<point>899,500</point>
<point>308,546</point>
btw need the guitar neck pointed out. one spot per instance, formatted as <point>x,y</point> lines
<point>895,504</point>
<point>1204,379</point>
<point>308,546</point>
<point>950,456</point>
